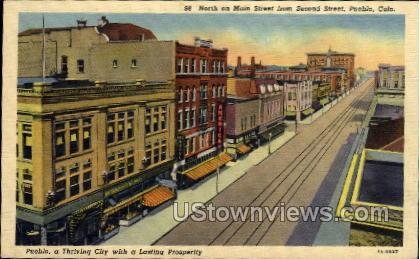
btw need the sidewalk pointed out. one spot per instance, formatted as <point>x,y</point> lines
<point>152,227</point>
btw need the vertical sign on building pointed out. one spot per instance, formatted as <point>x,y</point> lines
<point>220,122</point>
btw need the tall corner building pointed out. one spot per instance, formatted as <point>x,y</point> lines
<point>95,131</point>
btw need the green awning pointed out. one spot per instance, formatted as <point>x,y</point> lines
<point>290,113</point>
<point>308,111</point>
<point>324,101</point>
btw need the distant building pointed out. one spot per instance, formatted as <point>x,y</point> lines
<point>391,77</point>
<point>333,60</point>
<point>298,98</point>
<point>336,79</point>
<point>201,74</point>
<point>247,70</point>
<point>254,113</point>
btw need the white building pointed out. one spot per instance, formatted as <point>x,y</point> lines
<point>298,98</point>
<point>391,77</point>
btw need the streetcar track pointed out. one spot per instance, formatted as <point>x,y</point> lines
<point>335,133</point>
<point>302,182</point>
<point>344,114</point>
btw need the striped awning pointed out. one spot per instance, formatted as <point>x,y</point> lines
<point>208,167</point>
<point>243,149</point>
<point>157,196</point>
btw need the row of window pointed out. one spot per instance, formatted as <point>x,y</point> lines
<point>187,118</point>
<point>323,78</point>
<point>76,178</point>
<point>186,95</point>
<point>24,135</point>
<point>81,64</point>
<point>25,188</point>
<point>156,119</point>
<point>120,164</point>
<point>190,65</point>
<point>77,133</point>
<point>120,126</point>
<point>205,141</point>
<point>155,153</point>
<point>252,122</point>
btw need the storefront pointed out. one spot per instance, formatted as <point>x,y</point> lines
<point>198,173</point>
<point>268,133</point>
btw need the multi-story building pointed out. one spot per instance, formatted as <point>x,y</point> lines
<point>298,98</point>
<point>109,52</point>
<point>244,70</point>
<point>334,78</point>
<point>333,60</point>
<point>254,113</point>
<point>201,76</point>
<point>97,144</point>
<point>391,77</point>
<point>88,155</point>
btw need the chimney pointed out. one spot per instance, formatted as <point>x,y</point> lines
<point>81,23</point>
<point>252,67</point>
<point>239,62</point>
<point>252,61</point>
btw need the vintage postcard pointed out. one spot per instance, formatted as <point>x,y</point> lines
<point>210,130</point>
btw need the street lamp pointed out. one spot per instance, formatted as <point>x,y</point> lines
<point>269,143</point>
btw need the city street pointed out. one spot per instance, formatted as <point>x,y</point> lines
<point>303,172</point>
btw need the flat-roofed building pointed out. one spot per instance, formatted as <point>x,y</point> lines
<point>96,135</point>
<point>201,74</point>
<point>87,154</point>
<point>318,61</point>
<point>254,113</point>
<point>391,77</point>
<point>298,98</point>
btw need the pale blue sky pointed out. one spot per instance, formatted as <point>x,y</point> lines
<point>276,39</point>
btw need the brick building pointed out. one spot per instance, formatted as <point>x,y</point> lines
<point>333,60</point>
<point>247,70</point>
<point>201,75</point>
<point>335,79</point>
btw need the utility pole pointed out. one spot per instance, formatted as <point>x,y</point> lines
<point>269,143</point>
<point>43,48</point>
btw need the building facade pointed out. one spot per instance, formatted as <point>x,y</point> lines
<point>254,113</point>
<point>95,130</point>
<point>247,70</point>
<point>201,74</point>
<point>391,77</point>
<point>333,59</point>
<point>298,98</point>
<point>88,156</point>
<point>335,79</point>
<point>112,52</point>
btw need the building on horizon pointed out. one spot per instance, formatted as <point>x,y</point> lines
<point>333,60</point>
<point>390,77</point>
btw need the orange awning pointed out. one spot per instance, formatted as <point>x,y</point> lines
<point>157,196</point>
<point>208,166</point>
<point>243,149</point>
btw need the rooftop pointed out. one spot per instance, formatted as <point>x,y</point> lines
<point>114,31</point>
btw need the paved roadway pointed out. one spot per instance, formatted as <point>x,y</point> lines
<point>303,172</point>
